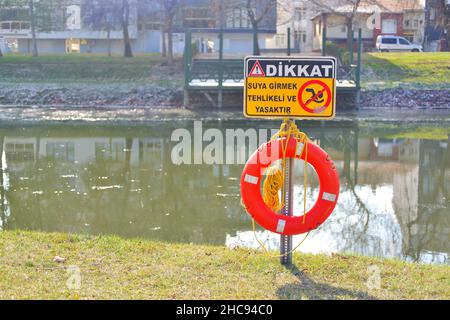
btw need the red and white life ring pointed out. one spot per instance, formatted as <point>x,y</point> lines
<point>272,221</point>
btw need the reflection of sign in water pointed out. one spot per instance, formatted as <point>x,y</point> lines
<point>295,87</point>
<point>73,21</point>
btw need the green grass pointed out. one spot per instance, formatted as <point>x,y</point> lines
<point>411,131</point>
<point>86,68</point>
<point>79,58</point>
<point>113,268</point>
<point>423,70</point>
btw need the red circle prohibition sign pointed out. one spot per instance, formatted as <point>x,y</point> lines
<point>304,104</point>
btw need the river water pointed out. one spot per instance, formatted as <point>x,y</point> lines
<point>122,180</point>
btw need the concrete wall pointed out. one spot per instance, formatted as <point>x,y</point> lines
<point>148,42</point>
<point>233,43</point>
<point>101,46</point>
<point>336,27</point>
<point>53,46</point>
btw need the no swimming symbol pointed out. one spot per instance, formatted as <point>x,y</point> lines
<point>314,96</point>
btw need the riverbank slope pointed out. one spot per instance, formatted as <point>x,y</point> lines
<point>106,267</point>
<point>402,80</point>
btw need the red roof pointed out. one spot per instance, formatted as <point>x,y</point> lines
<point>395,5</point>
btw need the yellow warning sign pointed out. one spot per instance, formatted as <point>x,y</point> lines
<point>290,87</point>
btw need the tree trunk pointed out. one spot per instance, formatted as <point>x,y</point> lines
<point>170,42</point>
<point>349,24</point>
<point>109,41</point>
<point>256,50</point>
<point>33,29</point>
<point>125,22</point>
<point>163,40</point>
<point>1,53</point>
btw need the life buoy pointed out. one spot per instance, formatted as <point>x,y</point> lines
<point>272,221</point>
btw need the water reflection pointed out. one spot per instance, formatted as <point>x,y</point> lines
<point>394,200</point>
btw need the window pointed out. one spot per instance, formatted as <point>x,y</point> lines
<point>300,37</point>
<point>300,14</point>
<point>15,25</point>
<point>409,37</point>
<point>403,42</point>
<point>280,40</point>
<point>433,14</point>
<point>389,26</point>
<point>406,23</point>
<point>389,41</point>
<point>198,18</point>
<point>61,151</point>
<point>19,152</point>
<point>237,18</point>
<point>106,151</point>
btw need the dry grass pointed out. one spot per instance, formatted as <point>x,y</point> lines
<point>113,268</point>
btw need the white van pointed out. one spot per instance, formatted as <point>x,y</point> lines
<point>396,44</point>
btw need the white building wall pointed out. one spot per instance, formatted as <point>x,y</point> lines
<point>288,14</point>
<point>414,23</point>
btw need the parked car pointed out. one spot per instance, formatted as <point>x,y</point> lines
<point>396,44</point>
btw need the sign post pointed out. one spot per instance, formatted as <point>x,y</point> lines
<point>293,88</point>
<point>288,210</point>
<point>288,87</point>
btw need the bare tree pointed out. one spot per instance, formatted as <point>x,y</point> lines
<point>33,28</point>
<point>349,12</point>
<point>443,17</point>
<point>257,11</point>
<point>3,4</point>
<point>169,10</point>
<point>102,15</point>
<point>125,23</point>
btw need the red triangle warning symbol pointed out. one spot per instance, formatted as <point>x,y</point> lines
<point>257,70</point>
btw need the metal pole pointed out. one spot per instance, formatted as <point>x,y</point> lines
<point>187,65</point>
<point>350,49</point>
<point>220,97</point>
<point>355,178</point>
<point>358,69</point>
<point>288,210</point>
<point>288,41</point>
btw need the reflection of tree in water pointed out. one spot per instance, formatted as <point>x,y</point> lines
<point>427,231</point>
<point>359,224</point>
<point>135,195</point>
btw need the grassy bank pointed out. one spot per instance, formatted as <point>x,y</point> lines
<point>111,267</point>
<point>87,68</point>
<point>429,70</point>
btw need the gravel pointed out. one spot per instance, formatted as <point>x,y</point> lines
<point>406,98</point>
<point>90,95</point>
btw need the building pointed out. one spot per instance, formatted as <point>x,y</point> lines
<point>387,17</point>
<point>70,32</point>
<point>297,16</point>
<point>208,18</point>
<point>74,31</point>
